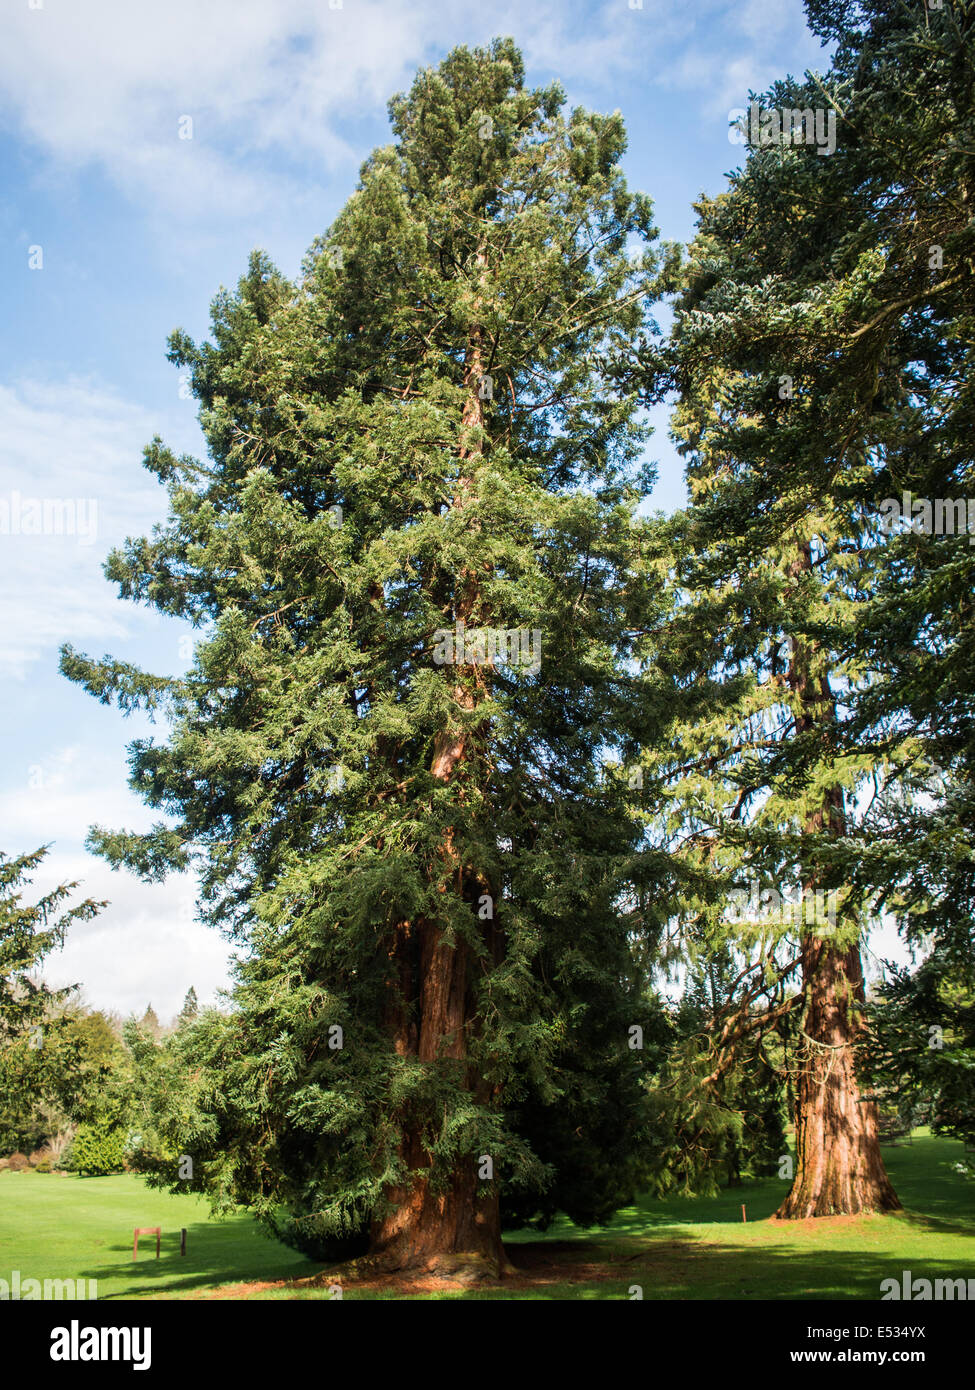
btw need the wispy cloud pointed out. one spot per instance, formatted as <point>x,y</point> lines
<point>220,108</point>
<point>720,51</point>
<point>70,487</point>
<point>264,93</point>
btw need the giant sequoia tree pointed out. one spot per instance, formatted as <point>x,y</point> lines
<point>429,440</point>
<point>823,346</point>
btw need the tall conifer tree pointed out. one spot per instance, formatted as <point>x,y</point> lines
<point>824,343</point>
<point>431,438</point>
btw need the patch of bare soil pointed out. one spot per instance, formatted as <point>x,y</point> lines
<point>538,1266</point>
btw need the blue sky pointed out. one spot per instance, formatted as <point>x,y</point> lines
<point>114,230</point>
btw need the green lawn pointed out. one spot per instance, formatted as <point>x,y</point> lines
<point>69,1227</point>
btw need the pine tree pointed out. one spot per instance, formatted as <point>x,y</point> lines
<point>430,439</point>
<point>908,336</point>
<point>922,1043</point>
<point>29,933</point>
<point>826,339</point>
<point>150,1022</point>
<point>190,1009</point>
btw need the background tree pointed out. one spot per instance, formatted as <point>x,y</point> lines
<point>46,1049</point>
<point>825,348</point>
<point>54,1078</point>
<point>907,356</point>
<point>28,934</point>
<point>190,1008</point>
<point>150,1022</point>
<point>805,342</point>
<point>921,1058</point>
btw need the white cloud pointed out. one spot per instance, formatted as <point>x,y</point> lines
<point>145,946</point>
<point>56,797</point>
<point>108,83</point>
<point>71,440</point>
<point>272,88</point>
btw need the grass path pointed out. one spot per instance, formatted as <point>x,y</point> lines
<point>69,1227</point>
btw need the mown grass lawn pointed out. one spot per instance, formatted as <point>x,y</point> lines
<point>69,1227</point>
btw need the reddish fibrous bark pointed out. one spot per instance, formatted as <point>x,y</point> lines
<point>839,1167</point>
<point>451,1224</point>
<point>454,1224</point>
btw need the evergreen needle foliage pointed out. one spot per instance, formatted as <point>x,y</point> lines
<point>427,864</point>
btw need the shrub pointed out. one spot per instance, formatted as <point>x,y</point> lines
<point>43,1167</point>
<point>18,1162</point>
<point>96,1150</point>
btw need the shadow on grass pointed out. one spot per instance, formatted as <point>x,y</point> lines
<point>677,1265</point>
<point>922,1172</point>
<point>926,1181</point>
<point>663,1246</point>
<point>217,1253</point>
<point>687,1268</point>
<point>760,1198</point>
<point>939,1225</point>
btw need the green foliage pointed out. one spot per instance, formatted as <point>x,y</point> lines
<point>28,933</point>
<point>96,1150</point>
<point>189,1010</point>
<point>921,1057</point>
<point>715,1117</point>
<point>56,1075</point>
<point>822,354</point>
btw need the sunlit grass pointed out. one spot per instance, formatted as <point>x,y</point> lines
<point>69,1227</point>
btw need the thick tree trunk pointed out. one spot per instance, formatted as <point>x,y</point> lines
<point>839,1169</point>
<point>451,1232</point>
<point>451,1226</point>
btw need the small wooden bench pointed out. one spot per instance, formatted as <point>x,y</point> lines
<point>146,1231</point>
